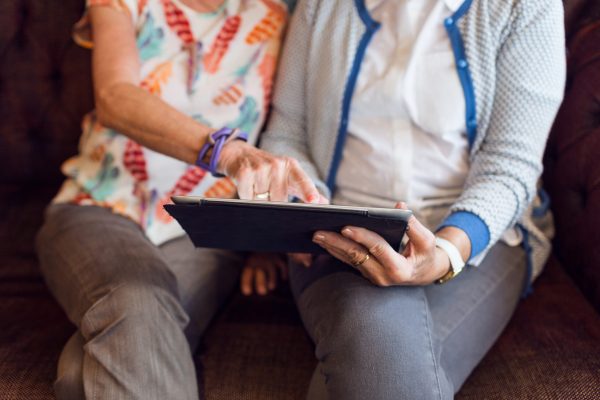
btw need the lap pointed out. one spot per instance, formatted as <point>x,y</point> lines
<point>87,251</point>
<point>470,312</point>
<point>466,315</point>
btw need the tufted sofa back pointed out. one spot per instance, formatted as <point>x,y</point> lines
<point>45,88</point>
<point>572,161</point>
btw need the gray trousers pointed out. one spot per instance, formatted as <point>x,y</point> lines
<point>403,342</point>
<point>139,308</point>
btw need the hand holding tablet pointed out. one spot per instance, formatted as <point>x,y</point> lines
<point>278,227</point>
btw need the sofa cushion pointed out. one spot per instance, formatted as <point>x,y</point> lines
<point>550,349</point>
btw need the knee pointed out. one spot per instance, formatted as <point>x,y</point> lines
<point>379,346</point>
<point>380,328</point>
<point>69,377</point>
<point>139,307</point>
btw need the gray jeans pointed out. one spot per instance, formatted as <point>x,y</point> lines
<point>139,308</point>
<point>403,342</point>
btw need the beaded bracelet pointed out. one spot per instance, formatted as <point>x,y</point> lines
<point>216,141</point>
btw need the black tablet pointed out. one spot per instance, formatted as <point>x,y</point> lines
<point>277,227</point>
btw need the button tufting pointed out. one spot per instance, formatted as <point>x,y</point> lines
<point>55,76</point>
<point>22,24</point>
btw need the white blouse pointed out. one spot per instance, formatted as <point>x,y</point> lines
<point>406,134</point>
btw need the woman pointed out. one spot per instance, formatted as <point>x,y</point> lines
<point>442,104</point>
<point>175,82</point>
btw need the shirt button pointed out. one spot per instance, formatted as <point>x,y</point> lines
<point>462,63</point>
<point>449,22</point>
<point>472,123</point>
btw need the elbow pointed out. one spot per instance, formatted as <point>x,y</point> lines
<point>103,98</point>
<point>107,100</point>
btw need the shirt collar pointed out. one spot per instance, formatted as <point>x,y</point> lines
<point>453,5</point>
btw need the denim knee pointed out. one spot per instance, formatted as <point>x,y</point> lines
<point>378,344</point>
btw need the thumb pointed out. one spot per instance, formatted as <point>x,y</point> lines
<point>418,234</point>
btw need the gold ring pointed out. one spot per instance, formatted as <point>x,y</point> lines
<point>263,196</point>
<point>364,260</point>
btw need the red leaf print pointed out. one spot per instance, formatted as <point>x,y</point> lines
<point>266,70</point>
<point>222,189</point>
<point>178,22</point>
<point>213,58</point>
<point>134,161</point>
<point>141,5</point>
<point>186,183</point>
<point>156,78</point>
<point>230,95</point>
<point>270,25</point>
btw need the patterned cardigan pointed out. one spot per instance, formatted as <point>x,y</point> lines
<point>510,57</point>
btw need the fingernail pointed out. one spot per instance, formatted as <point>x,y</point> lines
<point>318,238</point>
<point>347,232</point>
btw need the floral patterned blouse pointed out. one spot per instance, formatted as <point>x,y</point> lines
<point>215,67</point>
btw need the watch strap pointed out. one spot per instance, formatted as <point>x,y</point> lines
<point>456,262</point>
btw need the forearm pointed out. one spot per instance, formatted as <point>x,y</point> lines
<point>150,121</point>
<point>122,105</point>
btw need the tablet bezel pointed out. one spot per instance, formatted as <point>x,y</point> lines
<point>374,212</point>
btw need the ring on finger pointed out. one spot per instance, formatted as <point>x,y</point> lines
<point>263,196</point>
<point>361,262</point>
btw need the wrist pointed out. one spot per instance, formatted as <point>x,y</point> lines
<point>459,238</point>
<point>230,152</point>
<point>442,263</point>
<point>209,157</point>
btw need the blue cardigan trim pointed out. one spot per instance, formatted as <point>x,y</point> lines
<point>528,289</point>
<point>462,66</point>
<point>372,27</point>
<point>477,230</point>
<point>542,209</point>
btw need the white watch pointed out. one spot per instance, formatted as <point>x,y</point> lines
<point>456,262</point>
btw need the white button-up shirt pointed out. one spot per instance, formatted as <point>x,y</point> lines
<point>406,134</point>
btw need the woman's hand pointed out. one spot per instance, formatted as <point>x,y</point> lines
<point>260,273</point>
<point>257,172</point>
<point>421,263</point>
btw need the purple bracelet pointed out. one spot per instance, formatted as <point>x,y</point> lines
<point>216,141</point>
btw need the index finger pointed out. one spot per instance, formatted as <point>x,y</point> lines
<point>378,247</point>
<point>301,185</point>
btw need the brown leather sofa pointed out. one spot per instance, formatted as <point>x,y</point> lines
<point>257,348</point>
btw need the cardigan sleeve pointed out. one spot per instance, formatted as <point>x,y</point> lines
<point>505,168</point>
<point>286,132</point>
